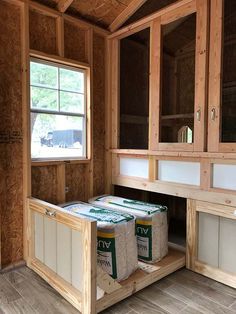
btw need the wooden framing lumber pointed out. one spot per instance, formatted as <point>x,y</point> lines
<point>63,5</point>
<point>125,14</point>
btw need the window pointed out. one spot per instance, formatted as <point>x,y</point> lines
<point>58,111</point>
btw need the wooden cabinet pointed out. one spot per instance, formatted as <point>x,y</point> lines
<point>222,77</point>
<point>211,241</point>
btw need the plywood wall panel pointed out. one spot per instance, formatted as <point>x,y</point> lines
<point>44,183</point>
<point>76,182</point>
<point>42,33</point>
<point>98,113</point>
<point>11,135</point>
<point>75,42</point>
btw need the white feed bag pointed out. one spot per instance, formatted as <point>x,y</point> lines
<point>116,240</point>
<point>151,224</point>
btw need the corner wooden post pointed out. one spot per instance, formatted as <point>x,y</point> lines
<point>192,234</point>
<point>155,84</point>
<point>89,291</point>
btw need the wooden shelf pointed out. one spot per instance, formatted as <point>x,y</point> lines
<point>126,118</point>
<point>141,278</point>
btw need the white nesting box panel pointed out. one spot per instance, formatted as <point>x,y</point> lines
<point>39,236</point>
<point>224,176</point>
<point>208,239</point>
<point>227,247</point>
<point>179,172</point>
<point>77,260</point>
<point>134,167</point>
<point>50,243</point>
<point>64,243</point>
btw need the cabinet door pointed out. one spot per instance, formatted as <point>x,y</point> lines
<point>222,78</point>
<point>182,80</point>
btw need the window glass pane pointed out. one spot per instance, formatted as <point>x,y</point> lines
<point>71,102</point>
<point>54,136</point>
<point>43,75</point>
<point>71,80</point>
<point>43,98</point>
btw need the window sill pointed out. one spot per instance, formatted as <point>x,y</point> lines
<point>47,162</point>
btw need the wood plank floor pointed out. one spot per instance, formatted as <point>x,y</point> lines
<point>22,291</point>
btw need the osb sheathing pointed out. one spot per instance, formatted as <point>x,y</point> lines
<point>44,183</point>
<point>98,113</point>
<point>11,147</point>
<point>76,182</point>
<point>75,42</point>
<point>42,33</point>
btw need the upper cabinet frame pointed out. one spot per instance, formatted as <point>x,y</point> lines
<point>172,13</point>
<point>219,86</point>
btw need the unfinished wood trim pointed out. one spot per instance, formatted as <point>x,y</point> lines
<point>179,190</point>
<point>201,75</point>
<point>152,168</point>
<point>58,162</point>
<point>115,87</point>
<point>214,99</point>
<point>125,14</point>
<point>60,36</point>
<point>25,124</point>
<point>216,274</point>
<point>108,117</point>
<point>149,18</point>
<point>106,282</point>
<point>63,5</point>
<point>219,157</point>
<point>226,147</point>
<point>192,234</point>
<point>61,184</point>
<point>176,147</point>
<point>70,293</point>
<point>62,216</point>
<point>178,12</point>
<point>206,174</point>
<point>215,209</point>
<point>140,279</point>
<point>89,290</point>
<point>59,59</point>
<point>155,84</point>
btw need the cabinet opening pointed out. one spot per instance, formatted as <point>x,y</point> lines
<point>177,207</point>
<point>228,87</point>
<point>178,80</point>
<point>134,90</point>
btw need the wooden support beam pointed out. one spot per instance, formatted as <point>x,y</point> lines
<point>63,5</point>
<point>125,14</point>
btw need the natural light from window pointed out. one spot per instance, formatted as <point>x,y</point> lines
<point>58,111</point>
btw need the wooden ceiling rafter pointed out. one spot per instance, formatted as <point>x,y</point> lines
<point>125,14</point>
<point>63,5</point>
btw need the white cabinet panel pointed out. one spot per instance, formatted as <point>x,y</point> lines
<point>208,239</point>
<point>227,245</point>
<point>64,252</point>
<point>39,236</point>
<point>179,172</point>
<point>77,260</point>
<point>224,176</point>
<point>50,243</point>
<point>134,167</point>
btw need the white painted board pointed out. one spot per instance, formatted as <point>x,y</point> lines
<point>179,172</point>
<point>77,260</point>
<point>227,245</point>
<point>64,242</point>
<point>39,237</point>
<point>224,176</point>
<point>50,243</point>
<point>208,239</point>
<point>134,167</point>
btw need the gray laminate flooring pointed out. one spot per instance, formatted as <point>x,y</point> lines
<point>22,291</point>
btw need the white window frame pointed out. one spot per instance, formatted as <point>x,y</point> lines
<point>85,116</point>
